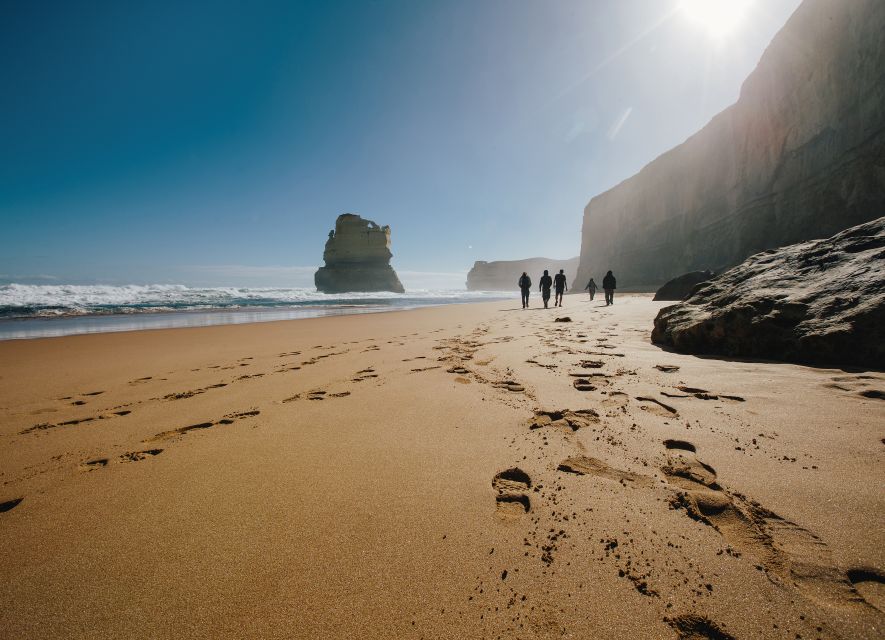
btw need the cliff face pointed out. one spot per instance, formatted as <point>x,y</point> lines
<point>800,155</point>
<point>357,258</point>
<point>502,275</point>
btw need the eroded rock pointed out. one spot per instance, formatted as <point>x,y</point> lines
<point>817,302</point>
<point>357,258</point>
<point>679,288</point>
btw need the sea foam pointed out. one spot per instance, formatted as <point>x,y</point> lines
<point>28,301</point>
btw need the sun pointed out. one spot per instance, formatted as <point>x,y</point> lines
<point>720,18</point>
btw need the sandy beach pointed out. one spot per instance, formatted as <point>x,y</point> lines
<point>469,471</point>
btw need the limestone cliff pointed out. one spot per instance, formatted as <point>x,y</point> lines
<point>357,258</point>
<point>800,155</point>
<point>502,275</point>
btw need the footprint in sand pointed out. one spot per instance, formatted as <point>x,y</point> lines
<point>582,384</point>
<point>229,418</point>
<point>135,456</point>
<point>43,426</point>
<point>703,394</point>
<point>694,627</point>
<point>870,583</point>
<point>789,554</point>
<point>586,466</point>
<point>420,369</point>
<point>510,385</point>
<point>616,399</point>
<point>564,419</point>
<point>657,407</point>
<point>92,465</point>
<point>511,487</point>
<point>9,505</point>
<point>319,394</point>
<point>364,374</point>
<point>667,368</point>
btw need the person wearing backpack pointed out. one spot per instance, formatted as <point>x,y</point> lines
<point>608,284</point>
<point>560,286</point>
<point>546,283</point>
<point>525,286</point>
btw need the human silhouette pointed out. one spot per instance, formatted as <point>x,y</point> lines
<point>546,283</point>
<point>560,286</point>
<point>525,286</point>
<point>591,287</point>
<point>608,284</point>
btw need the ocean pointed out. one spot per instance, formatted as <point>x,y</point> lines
<point>39,311</point>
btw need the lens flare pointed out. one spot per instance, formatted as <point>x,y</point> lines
<point>719,18</point>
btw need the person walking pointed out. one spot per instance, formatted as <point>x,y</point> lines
<point>525,286</point>
<point>591,287</point>
<point>609,284</point>
<point>546,283</point>
<point>560,286</point>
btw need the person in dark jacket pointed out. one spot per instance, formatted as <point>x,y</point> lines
<point>591,287</point>
<point>609,284</point>
<point>560,286</point>
<point>525,286</point>
<point>546,283</point>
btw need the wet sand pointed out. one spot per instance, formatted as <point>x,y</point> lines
<point>471,471</point>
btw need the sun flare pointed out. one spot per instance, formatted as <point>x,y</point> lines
<point>720,18</point>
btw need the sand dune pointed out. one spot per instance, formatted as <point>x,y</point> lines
<point>469,471</point>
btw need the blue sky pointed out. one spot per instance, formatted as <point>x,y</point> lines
<point>215,143</point>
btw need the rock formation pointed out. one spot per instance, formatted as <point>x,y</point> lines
<point>357,258</point>
<point>817,302</point>
<point>800,155</point>
<point>679,288</point>
<point>502,275</point>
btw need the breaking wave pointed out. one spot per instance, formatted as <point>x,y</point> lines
<point>34,301</point>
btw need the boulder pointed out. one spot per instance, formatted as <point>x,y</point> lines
<point>679,288</point>
<point>818,302</point>
<point>357,258</point>
<point>800,156</point>
<point>502,275</point>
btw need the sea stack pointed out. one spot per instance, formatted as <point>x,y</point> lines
<point>357,258</point>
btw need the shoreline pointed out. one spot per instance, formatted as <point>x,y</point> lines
<point>36,327</point>
<point>465,470</point>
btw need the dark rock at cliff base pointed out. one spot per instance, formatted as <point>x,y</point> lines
<point>357,258</point>
<point>679,288</point>
<point>818,302</point>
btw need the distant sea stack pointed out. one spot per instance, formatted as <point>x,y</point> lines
<point>503,275</point>
<point>799,156</point>
<point>357,258</point>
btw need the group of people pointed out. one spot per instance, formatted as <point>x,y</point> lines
<point>559,284</point>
